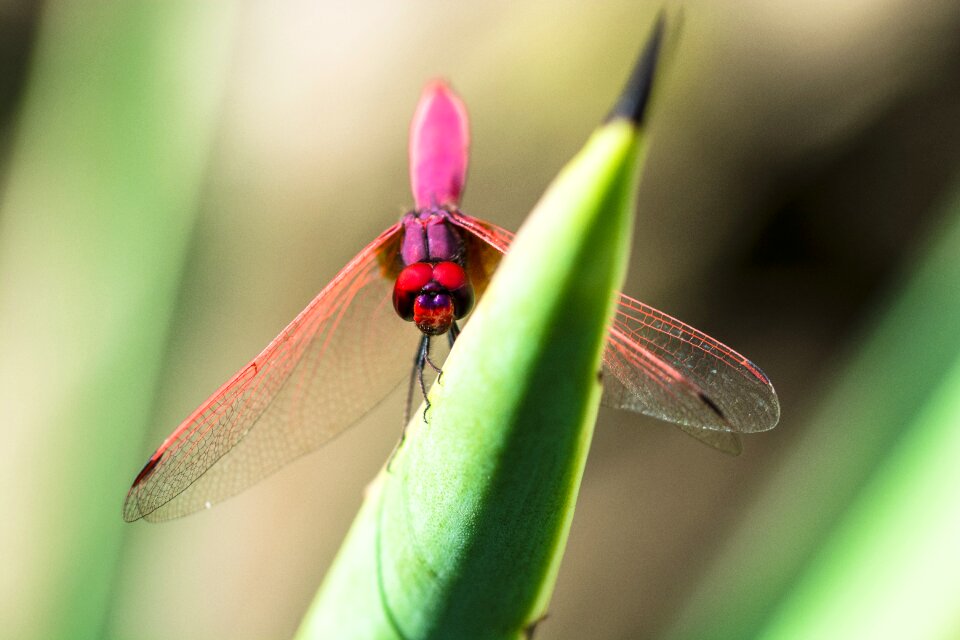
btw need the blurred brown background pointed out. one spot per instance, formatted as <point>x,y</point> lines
<point>799,152</point>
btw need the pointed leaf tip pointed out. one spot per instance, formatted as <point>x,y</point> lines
<point>632,103</point>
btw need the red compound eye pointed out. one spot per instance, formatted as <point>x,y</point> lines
<point>409,283</point>
<point>453,278</point>
<point>449,275</point>
<point>433,295</point>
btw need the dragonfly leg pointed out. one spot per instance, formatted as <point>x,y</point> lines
<point>423,357</point>
<point>416,375</point>
<point>433,365</point>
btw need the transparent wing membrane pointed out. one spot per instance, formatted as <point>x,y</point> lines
<point>676,373</point>
<point>348,349</point>
<point>656,365</point>
<point>325,370</point>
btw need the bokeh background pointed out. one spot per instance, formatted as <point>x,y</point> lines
<point>178,179</point>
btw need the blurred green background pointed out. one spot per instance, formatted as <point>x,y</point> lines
<point>178,179</point>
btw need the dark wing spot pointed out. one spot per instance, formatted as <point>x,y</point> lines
<point>148,468</point>
<point>713,405</point>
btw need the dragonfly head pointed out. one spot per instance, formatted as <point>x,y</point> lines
<point>433,295</point>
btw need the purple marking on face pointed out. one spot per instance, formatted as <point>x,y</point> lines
<point>433,313</point>
<point>431,301</point>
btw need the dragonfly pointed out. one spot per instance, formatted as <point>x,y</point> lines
<point>349,348</point>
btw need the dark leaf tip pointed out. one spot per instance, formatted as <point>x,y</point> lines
<point>632,103</point>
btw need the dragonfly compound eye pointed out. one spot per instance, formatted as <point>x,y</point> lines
<point>433,295</point>
<point>410,283</point>
<point>453,278</point>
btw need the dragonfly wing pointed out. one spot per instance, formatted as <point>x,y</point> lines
<point>676,373</point>
<point>486,244</point>
<point>656,365</point>
<point>337,359</point>
<point>491,234</point>
<point>616,395</point>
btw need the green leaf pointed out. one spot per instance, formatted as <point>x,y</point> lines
<point>463,536</point>
<point>857,543</point>
<point>99,201</point>
<point>891,566</point>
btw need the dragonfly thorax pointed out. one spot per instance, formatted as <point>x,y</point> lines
<point>433,295</point>
<point>429,236</point>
